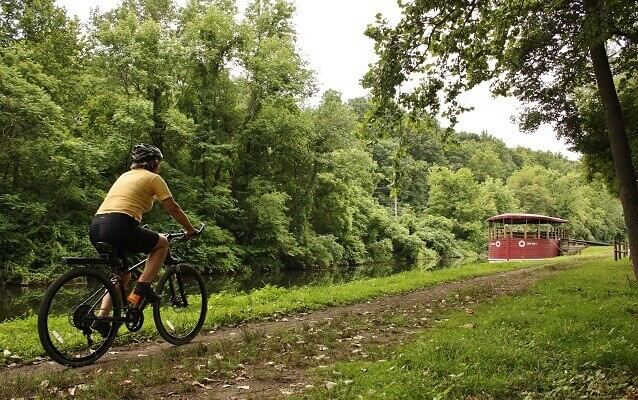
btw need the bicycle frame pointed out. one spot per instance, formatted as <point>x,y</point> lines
<point>118,280</point>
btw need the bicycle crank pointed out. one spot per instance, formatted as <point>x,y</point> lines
<point>134,319</point>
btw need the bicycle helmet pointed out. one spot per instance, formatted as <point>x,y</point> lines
<point>144,153</point>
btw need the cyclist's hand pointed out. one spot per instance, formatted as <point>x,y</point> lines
<point>192,232</point>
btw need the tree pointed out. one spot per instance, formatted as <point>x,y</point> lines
<point>211,39</point>
<point>593,141</point>
<point>136,45</point>
<point>47,173</point>
<point>279,183</point>
<point>504,197</point>
<point>485,163</point>
<point>540,52</point>
<point>269,54</point>
<point>41,32</point>
<point>457,196</point>
<point>533,187</point>
<point>405,150</point>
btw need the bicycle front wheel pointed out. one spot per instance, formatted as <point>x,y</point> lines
<point>67,314</point>
<point>181,313</point>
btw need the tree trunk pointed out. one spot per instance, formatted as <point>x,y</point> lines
<point>16,172</point>
<point>618,141</point>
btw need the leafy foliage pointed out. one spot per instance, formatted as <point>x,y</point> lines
<point>280,184</point>
<point>543,53</point>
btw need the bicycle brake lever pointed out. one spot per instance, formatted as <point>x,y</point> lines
<point>201,228</point>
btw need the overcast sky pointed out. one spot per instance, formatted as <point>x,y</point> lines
<point>331,39</point>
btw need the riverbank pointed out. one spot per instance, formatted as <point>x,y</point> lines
<point>19,340</point>
<point>526,333</point>
<point>24,301</point>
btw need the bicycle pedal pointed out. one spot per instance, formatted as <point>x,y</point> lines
<point>135,299</point>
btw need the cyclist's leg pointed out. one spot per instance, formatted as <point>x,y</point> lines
<point>107,302</point>
<point>156,245</point>
<point>155,260</point>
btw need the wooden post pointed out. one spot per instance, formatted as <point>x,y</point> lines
<point>615,250</point>
<point>625,249</point>
<point>538,231</point>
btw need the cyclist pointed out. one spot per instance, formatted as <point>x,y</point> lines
<point>117,222</point>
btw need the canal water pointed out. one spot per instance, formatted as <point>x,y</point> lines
<point>17,302</point>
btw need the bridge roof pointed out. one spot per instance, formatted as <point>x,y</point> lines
<point>519,218</point>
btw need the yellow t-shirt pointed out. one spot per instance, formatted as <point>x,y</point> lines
<point>134,192</point>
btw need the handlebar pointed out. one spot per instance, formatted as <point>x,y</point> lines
<point>182,235</point>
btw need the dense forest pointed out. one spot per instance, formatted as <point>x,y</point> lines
<point>279,181</point>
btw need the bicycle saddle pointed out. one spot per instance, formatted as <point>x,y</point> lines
<point>106,250</point>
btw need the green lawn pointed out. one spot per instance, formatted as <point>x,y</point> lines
<point>20,337</point>
<point>573,336</point>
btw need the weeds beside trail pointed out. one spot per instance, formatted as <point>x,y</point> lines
<point>574,336</point>
<point>19,337</point>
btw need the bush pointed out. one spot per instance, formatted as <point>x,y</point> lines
<point>355,250</point>
<point>216,250</point>
<point>381,250</point>
<point>436,233</point>
<point>323,251</point>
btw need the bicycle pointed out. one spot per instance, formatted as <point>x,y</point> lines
<point>72,303</point>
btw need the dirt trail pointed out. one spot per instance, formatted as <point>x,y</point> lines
<point>374,329</point>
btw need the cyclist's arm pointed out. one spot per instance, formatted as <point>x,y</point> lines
<point>176,212</point>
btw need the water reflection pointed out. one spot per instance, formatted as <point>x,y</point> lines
<point>20,301</point>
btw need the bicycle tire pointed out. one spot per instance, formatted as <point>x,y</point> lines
<point>45,306</point>
<point>180,271</point>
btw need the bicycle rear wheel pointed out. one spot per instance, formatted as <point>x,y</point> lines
<point>181,313</point>
<point>67,312</point>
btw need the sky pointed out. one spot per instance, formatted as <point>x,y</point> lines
<point>331,39</point>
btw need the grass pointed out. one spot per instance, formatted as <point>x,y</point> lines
<point>19,337</point>
<point>128,380</point>
<point>574,335</point>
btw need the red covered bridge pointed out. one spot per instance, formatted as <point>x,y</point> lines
<point>525,236</point>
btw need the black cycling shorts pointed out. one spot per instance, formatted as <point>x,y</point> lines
<point>122,232</point>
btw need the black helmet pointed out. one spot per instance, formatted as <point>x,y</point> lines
<point>145,152</point>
